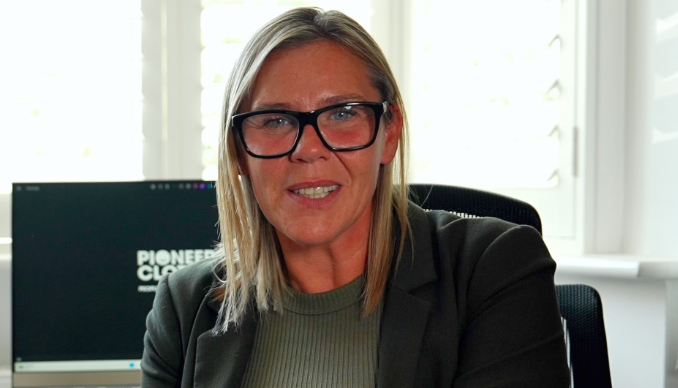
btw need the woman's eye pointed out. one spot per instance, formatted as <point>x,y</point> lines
<point>343,114</point>
<point>277,122</point>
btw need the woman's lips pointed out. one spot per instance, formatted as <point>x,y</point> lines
<point>316,192</point>
<point>316,189</point>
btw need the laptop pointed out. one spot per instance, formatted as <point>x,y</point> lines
<point>86,259</point>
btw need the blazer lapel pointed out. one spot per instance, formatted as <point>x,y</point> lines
<point>221,359</point>
<point>405,314</point>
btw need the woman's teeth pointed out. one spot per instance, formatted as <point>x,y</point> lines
<point>316,192</point>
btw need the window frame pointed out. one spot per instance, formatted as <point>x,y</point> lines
<point>171,120</point>
<point>578,135</point>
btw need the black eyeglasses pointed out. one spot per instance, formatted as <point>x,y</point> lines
<point>342,127</point>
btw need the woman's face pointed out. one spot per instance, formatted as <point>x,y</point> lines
<point>304,79</point>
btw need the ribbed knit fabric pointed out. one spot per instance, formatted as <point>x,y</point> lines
<point>319,341</point>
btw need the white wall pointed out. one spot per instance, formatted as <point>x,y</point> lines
<point>636,151</point>
<point>609,105</point>
<point>636,184</point>
<point>651,226</point>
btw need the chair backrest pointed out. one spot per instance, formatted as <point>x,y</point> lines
<point>582,309</point>
<point>579,304</point>
<point>475,203</point>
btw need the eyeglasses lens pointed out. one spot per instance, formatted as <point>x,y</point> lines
<point>270,133</point>
<point>343,127</point>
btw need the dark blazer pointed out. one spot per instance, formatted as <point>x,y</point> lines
<point>472,304</point>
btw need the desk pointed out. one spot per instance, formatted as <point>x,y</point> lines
<point>5,377</point>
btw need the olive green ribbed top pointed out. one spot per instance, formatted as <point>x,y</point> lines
<point>319,341</point>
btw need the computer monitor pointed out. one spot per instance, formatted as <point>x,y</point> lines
<point>86,258</point>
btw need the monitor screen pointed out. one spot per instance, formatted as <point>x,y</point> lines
<point>86,258</point>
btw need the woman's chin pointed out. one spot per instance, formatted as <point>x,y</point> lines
<point>308,238</point>
<point>332,228</point>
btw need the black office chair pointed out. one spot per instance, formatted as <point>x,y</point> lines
<point>579,304</point>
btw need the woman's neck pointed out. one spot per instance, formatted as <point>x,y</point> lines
<point>321,268</point>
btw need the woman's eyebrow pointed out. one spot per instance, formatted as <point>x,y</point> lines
<point>343,98</point>
<point>333,100</point>
<point>269,106</point>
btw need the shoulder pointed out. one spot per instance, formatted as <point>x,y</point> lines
<point>171,322</point>
<point>187,288</point>
<point>459,248</point>
<point>468,236</point>
<point>452,224</point>
<point>478,234</point>
<point>202,273</point>
<point>485,255</point>
<point>477,251</point>
<point>493,285</point>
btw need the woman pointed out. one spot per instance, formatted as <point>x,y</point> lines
<point>328,275</point>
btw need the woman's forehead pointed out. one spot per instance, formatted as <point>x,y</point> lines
<point>317,73</point>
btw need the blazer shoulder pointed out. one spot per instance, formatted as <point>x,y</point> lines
<point>446,235</point>
<point>171,323</point>
<point>191,284</point>
<point>470,229</point>
<point>466,241</point>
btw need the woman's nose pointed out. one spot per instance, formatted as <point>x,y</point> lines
<point>310,146</point>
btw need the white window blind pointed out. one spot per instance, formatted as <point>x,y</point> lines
<point>70,94</point>
<point>492,100</point>
<point>486,109</point>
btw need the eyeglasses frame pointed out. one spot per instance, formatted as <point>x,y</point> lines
<point>306,118</point>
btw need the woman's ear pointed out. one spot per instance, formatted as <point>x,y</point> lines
<point>242,163</point>
<point>393,127</point>
<point>240,157</point>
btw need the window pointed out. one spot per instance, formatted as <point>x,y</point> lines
<point>489,85</point>
<point>70,101</point>
<point>495,92</point>
<point>491,100</point>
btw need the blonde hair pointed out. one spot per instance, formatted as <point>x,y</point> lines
<point>250,248</point>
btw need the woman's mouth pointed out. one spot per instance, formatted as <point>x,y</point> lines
<point>316,192</point>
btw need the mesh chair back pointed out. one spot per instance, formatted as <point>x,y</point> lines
<point>580,305</point>
<point>468,202</point>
